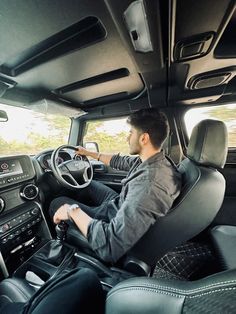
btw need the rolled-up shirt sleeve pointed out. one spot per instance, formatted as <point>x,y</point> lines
<point>123,163</point>
<point>139,211</point>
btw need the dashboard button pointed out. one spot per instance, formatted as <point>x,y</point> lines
<point>4,240</point>
<point>35,211</point>
<point>4,228</point>
<point>13,223</point>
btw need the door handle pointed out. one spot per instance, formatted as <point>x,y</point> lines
<point>117,180</point>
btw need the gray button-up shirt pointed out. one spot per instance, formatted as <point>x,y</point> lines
<point>147,193</point>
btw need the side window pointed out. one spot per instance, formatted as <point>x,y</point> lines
<point>226,113</point>
<point>110,135</point>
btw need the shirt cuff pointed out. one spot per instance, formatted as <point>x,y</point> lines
<point>113,160</point>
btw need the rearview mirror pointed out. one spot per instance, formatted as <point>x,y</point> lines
<point>3,116</point>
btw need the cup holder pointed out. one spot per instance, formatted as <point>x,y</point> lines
<point>35,275</point>
<point>44,276</point>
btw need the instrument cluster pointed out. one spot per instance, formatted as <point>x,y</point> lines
<point>45,159</point>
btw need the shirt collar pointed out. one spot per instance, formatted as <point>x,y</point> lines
<point>156,157</point>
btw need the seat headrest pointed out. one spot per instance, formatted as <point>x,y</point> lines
<point>208,144</point>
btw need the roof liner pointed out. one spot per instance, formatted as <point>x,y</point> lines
<point>199,75</point>
<point>48,46</point>
<point>83,53</point>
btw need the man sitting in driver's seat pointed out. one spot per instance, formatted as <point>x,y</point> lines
<point>112,222</point>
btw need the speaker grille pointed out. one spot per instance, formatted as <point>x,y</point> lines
<point>209,81</point>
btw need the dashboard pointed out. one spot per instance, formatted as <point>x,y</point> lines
<point>27,185</point>
<point>22,220</point>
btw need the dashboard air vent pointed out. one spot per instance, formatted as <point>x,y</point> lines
<point>29,192</point>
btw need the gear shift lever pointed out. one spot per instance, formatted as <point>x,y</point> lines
<point>61,230</point>
<point>55,252</point>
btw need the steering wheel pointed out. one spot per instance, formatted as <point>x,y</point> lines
<point>73,174</point>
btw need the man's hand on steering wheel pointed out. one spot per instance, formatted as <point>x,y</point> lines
<point>82,151</point>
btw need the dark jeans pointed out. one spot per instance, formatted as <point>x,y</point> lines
<point>76,292</point>
<point>97,195</point>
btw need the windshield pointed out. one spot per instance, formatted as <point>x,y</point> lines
<point>29,132</point>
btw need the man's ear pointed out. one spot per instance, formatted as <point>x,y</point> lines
<point>145,138</point>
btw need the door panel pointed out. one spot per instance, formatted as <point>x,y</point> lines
<point>107,175</point>
<point>227,213</point>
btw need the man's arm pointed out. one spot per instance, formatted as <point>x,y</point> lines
<point>111,240</point>
<point>105,158</point>
<point>80,218</point>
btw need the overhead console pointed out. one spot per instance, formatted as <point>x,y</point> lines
<point>201,51</point>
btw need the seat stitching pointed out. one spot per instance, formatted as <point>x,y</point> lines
<point>146,289</point>
<point>172,294</point>
<point>211,292</point>
<point>191,290</point>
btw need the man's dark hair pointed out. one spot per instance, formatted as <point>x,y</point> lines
<point>153,122</point>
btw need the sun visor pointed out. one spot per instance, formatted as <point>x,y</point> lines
<point>46,106</point>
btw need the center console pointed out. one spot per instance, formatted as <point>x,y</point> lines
<point>57,257</point>
<point>23,227</point>
<point>42,267</point>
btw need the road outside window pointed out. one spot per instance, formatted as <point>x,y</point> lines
<point>29,132</point>
<point>226,113</point>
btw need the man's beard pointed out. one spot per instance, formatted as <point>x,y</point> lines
<point>134,150</point>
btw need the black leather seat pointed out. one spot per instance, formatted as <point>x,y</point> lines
<point>200,199</point>
<point>213,294</point>
<point>14,290</point>
<point>74,292</point>
<point>224,239</point>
